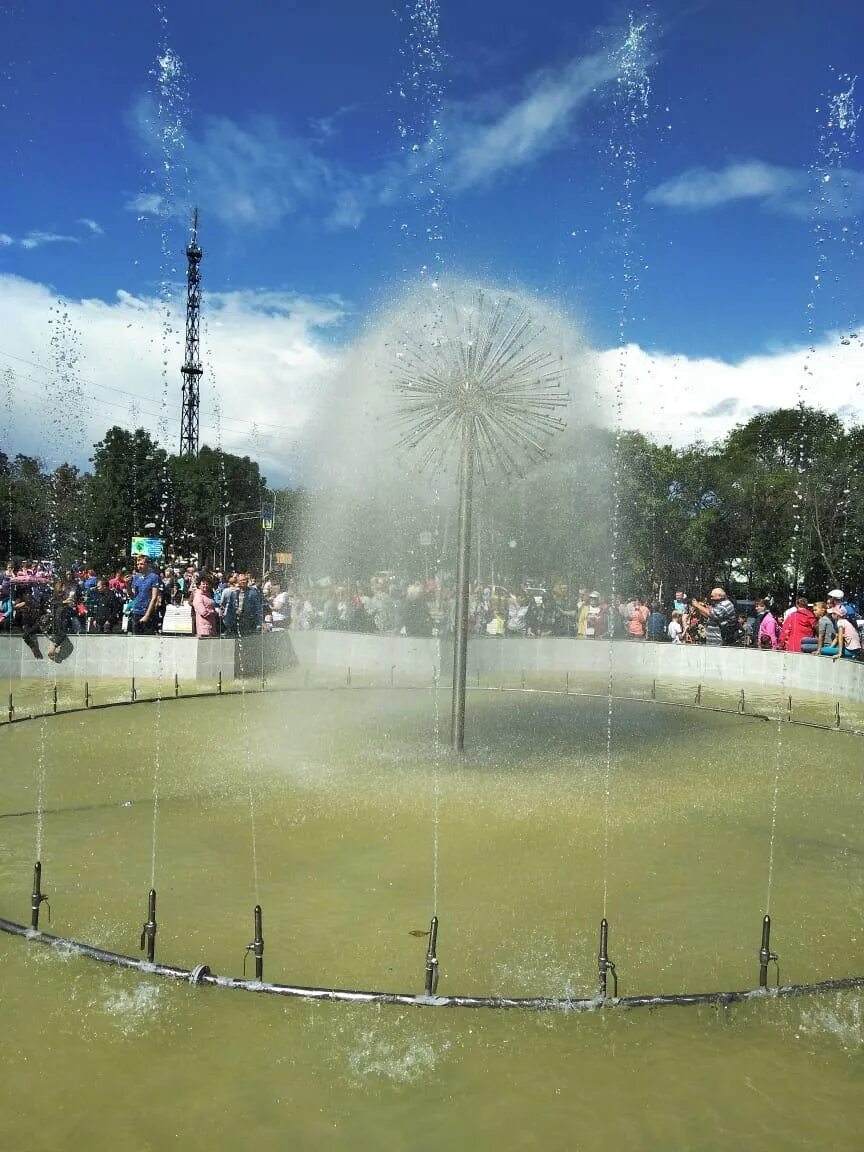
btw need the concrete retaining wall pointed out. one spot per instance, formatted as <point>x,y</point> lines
<point>731,667</point>
<point>149,657</point>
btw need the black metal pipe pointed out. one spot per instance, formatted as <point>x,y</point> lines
<point>765,953</point>
<point>176,685</point>
<point>134,694</point>
<point>37,896</point>
<point>538,1003</point>
<point>431,983</point>
<point>148,933</point>
<point>604,964</point>
<point>54,701</point>
<point>11,708</point>
<point>219,683</point>
<point>86,693</point>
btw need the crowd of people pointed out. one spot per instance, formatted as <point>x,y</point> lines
<point>831,627</point>
<point>35,598</point>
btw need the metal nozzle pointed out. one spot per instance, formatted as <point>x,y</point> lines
<point>148,933</point>
<point>37,897</point>
<point>604,964</point>
<point>431,985</point>
<point>256,947</point>
<point>765,953</point>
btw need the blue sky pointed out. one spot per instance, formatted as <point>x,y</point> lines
<point>300,132</point>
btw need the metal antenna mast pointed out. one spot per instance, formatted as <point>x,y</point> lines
<point>192,365</point>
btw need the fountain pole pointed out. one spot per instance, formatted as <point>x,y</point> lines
<point>463,572</point>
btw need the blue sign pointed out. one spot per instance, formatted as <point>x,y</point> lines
<point>150,546</point>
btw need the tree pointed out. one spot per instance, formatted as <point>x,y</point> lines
<point>203,490</point>
<point>128,491</point>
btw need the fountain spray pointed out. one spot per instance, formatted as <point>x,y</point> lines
<point>482,376</point>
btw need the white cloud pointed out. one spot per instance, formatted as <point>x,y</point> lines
<point>250,175</point>
<point>265,356</point>
<point>255,174</point>
<point>538,121</point>
<point>678,400</point>
<point>37,239</point>
<point>146,204</point>
<point>792,191</point>
<point>92,226</point>
<point>274,371</point>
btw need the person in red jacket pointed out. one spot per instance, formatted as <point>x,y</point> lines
<point>798,626</point>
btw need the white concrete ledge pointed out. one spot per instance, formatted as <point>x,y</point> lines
<point>732,667</point>
<point>419,660</point>
<point>146,658</point>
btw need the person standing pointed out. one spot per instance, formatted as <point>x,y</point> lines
<point>767,628</point>
<point>638,620</point>
<point>204,607</point>
<point>655,627</point>
<point>242,608</point>
<point>145,597</point>
<point>798,627</point>
<point>675,628</point>
<point>721,619</point>
<point>104,609</point>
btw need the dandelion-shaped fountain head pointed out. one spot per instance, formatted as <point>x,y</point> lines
<point>477,363</point>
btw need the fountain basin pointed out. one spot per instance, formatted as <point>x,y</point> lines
<point>344,787</point>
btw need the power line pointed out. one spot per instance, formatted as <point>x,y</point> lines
<point>45,403</point>
<point>133,395</point>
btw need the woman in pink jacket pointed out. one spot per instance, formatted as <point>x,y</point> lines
<point>769,629</point>
<point>206,612</point>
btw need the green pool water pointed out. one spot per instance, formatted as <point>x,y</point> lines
<point>342,815</point>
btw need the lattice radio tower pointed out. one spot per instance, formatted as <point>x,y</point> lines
<point>192,365</point>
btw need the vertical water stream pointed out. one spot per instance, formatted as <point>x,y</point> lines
<point>628,113</point>
<point>420,130</point>
<point>837,136</point>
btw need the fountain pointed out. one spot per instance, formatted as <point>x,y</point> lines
<point>477,376</point>
<point>602,786</point>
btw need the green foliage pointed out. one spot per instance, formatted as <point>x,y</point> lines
<point>778,503</point>
<point>126,492</point>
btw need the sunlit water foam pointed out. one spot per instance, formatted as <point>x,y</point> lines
<point>401,1058</point>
